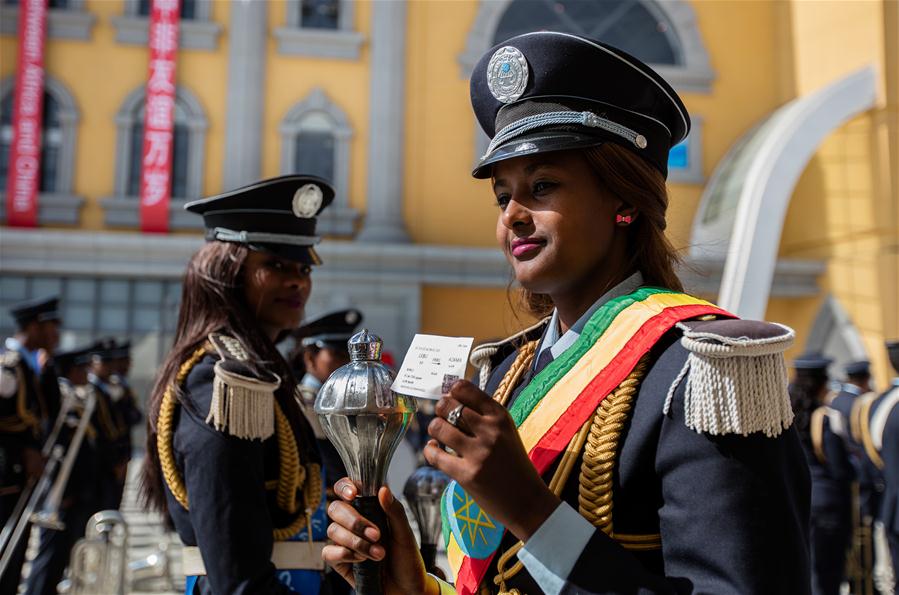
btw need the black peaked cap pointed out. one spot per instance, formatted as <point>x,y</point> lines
<point>40,309</point>
<point>277,215</point>
<point>621,99</point>
<point>332,329</point>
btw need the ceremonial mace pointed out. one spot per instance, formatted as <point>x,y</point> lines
<point>423,491</point>
<point>365,421</point>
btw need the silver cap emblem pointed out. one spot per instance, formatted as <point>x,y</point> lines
<point>306,201</point>
<point>507,74</point>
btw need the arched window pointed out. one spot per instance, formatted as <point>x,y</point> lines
<point>626,24</point>
<point>59,126</point>
<point>315,139</point>
<point>51,138</point>
<point>188,158</point>
<point>180,155</point>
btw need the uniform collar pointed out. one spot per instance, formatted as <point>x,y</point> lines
<point>30,357</point>
<point>557,342</point>
<point>851,389</point>
<point>311,381</point>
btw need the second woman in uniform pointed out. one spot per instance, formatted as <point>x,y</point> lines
<point>231,457</point>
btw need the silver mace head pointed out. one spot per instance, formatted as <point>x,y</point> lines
<point>423,491</point>
<point>361,416</point>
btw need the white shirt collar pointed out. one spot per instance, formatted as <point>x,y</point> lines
<point>558,343</point>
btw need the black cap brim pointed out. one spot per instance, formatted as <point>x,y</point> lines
<point>302,254</point>
<point>536,142</point>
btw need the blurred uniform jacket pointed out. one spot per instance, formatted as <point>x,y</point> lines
<point>24,411</point>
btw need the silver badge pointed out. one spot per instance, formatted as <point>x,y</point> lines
<point>306,201</point>
<point>507,74</point>
<point>351,317</point>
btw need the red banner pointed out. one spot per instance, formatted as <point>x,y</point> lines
<point>24,173</point>
<point>159,117</point>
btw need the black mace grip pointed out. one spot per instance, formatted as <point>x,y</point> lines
<point>368,572</point>
<point>429,556</point>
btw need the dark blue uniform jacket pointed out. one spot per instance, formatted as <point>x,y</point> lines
<point>732,511</point>
<point>232,513</point>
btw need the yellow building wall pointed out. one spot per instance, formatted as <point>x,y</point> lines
<point>482,313</point>
<point>844,209</point>
<point>290,79</point>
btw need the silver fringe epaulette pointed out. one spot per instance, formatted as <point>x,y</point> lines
<point>243,397</point>
<point>736,377</point>
<point>9,384</point>
<point>482,356</point>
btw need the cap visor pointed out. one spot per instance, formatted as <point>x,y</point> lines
<point>303,254</point>
<point>544,141</point>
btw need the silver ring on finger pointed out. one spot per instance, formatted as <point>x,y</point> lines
<point>455,416</point>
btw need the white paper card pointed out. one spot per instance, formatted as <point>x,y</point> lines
<point>431,365</point>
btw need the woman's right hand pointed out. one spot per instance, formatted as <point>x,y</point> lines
<point>355,539</point>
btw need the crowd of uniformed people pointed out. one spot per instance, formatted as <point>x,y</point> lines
<point>43,396</point>
<point>636,439</point>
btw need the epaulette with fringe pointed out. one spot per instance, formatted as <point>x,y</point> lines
<point>9,383</point>
<point>243,397</point>
<point>487,356</point>
<point>10,358</point>
<point>736,377</point>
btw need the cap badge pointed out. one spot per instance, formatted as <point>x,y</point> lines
<point>307,201</point>
<point>351,317</point>
<point>507,74</point>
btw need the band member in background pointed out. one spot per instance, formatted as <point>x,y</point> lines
<point>111,424</point>
<point>25,409</point>
<point>637,439</point>
<point>853,396</point>
<point>230,457</point>
<point>321,349</point>
<point>127,405</point>
<point>80,499</point>
<point>858,376</point>
<point>831,471</point>
<point>880,438</point>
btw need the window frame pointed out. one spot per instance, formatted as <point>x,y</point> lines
<point>340,218</point>
<point>122,209</point>
<point>343,43</point>
<point>60,206</point>
<point>198,33</point>
<point>72,22</point>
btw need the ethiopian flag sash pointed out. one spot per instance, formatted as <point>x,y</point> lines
<point>559,400</point>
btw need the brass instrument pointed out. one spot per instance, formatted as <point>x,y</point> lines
<point>99,561</point>
<point>46,493</point>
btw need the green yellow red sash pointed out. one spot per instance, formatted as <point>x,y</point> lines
<point>564,395</point>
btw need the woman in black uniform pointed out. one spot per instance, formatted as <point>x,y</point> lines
<point>231,458</point>
<point>637,439</point>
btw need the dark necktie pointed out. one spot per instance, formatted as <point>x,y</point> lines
<point>543,360</point>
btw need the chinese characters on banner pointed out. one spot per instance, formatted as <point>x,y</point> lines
<point>159,117</point>
<point>24,175</point>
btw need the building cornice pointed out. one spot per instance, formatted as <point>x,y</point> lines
<point>107,254</point>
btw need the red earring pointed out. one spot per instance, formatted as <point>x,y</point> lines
<point>623,220</point>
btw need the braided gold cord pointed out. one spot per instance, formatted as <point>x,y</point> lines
<point>598,466</point>
<point>516,370</point>
<point>292,475</point>
<point>165,429</point>
<point>598,438</point>
<point>290,470</point>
